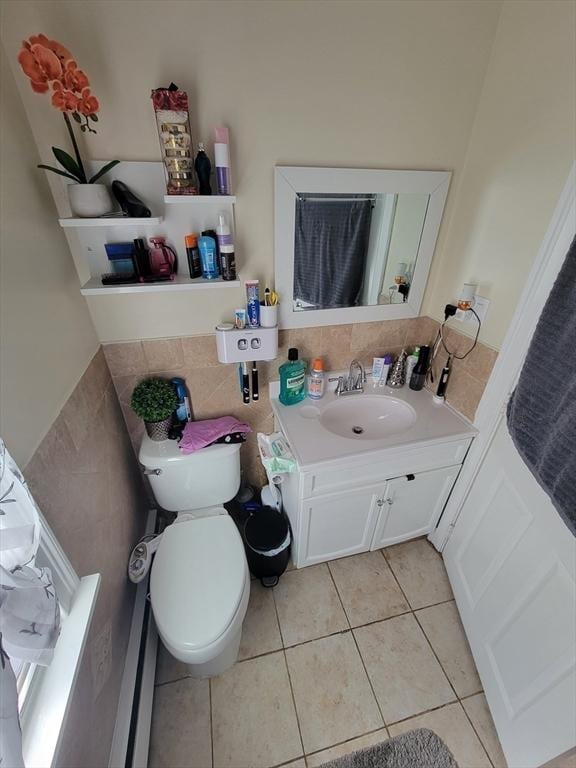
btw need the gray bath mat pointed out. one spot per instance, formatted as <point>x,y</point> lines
<point>416,749</point>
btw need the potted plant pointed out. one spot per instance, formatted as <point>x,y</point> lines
<point>50,66</point>
<point>154,400</point>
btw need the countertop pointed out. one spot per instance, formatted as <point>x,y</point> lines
<point>312,443</point>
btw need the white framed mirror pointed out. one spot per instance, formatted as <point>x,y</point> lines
<point>354,245</point>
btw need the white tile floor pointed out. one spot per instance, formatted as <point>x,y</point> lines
<point>337,657</point>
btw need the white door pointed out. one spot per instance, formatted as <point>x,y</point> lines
<point>512,565</point>
<point>340,524</point>
<point>412,505</point>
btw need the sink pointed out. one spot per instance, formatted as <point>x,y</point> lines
<point>367,417</point>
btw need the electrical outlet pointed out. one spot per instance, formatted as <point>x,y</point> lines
<point>480,307</point>
<point>101,658</point>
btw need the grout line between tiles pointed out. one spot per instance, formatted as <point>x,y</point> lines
<point>471,695</point>
<point>458,699</point>
<point>289,677</point>
<point>436,657</point>
<point>294,703</point>
<point>358,649</point>
<point>484,747</point>
<point>339,597</point>
<point>424,712</point>
<point>211,725</point>
<point>413,611</point>
<point>422,628</point>
<point>348,741</point>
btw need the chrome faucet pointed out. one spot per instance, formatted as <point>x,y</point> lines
<point>355,381</point>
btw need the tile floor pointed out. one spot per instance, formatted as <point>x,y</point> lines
<point>337,657</point>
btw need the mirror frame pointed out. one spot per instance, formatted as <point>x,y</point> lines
<point>291,180</point>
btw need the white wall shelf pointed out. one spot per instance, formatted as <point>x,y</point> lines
<point>94,286</point>
<point>192,200</point>
<point>121,221</point>
<point>148,310</point>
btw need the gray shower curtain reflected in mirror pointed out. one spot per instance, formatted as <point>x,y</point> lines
<point>331,239</point>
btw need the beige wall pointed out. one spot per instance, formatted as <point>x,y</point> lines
<point>61,420</point>
<point>476,87</point>
<point>86,480</point>
<point>47,337</point>
<point>521,150</point>
<point>365,84</point>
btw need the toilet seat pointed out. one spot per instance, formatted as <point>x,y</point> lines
<point>199,585</point>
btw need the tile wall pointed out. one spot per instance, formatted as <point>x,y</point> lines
<point>85,479</point>
<point>214,387</point>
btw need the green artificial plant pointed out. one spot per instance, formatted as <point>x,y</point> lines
<point>154,400</point>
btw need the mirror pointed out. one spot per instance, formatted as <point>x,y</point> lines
<point>357,250</point>
<point>354,245</point>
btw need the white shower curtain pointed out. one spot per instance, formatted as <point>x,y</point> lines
<point>29,611</point>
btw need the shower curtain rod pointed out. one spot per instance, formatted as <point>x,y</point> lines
<point>307,199</point>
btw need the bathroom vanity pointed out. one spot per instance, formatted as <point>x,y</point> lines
<point>374,468</point>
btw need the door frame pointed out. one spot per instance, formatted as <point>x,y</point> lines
<point>504,376</point>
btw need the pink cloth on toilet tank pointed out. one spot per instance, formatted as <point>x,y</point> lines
<point>199,434</point>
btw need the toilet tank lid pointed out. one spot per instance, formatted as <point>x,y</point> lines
<point>197,580</point>
<point>154,453</point>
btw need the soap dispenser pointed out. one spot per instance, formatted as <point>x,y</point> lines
<point>292,379</point>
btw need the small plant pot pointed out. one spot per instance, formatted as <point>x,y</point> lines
<point>89,200</point>
<point>158,430</point>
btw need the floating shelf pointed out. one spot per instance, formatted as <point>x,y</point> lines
<point>198,199</point>
<point>94,286</point>
<point>121,221</point>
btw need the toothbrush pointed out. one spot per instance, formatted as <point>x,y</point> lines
<point>245,383</point>
<point>255,393</point>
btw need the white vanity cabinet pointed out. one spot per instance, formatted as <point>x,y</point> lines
<point>339,524</point>
<point>342,509</point>
<point>412,505</point>
<point>354,494</point>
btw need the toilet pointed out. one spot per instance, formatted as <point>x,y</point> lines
<point>199,580</point>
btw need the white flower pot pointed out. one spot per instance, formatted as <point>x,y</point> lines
<point>89,200</point>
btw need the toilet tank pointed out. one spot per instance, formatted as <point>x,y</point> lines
<point>206,478</point>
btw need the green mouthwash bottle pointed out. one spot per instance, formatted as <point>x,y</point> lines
<point>292,379</point>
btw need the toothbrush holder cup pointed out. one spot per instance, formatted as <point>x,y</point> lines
<point>269,316</point>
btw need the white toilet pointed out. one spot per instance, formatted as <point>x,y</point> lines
<point>199,582</point>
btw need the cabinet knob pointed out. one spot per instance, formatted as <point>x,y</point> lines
<point>381,502</point>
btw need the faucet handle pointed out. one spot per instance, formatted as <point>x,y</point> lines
<point>341,386</point>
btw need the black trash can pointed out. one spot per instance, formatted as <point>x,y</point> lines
<point>267,538</point>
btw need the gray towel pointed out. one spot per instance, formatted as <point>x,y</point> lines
<point>330,247</point>
<point>542,409</point>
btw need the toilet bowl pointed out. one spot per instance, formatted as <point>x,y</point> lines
<point>199,590</point>
<point>199,580</point>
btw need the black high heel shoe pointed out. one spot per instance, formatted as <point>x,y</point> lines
<point>128,201</point>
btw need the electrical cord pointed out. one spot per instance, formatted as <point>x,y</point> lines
<point>441,341</point>
<point>454,355</point>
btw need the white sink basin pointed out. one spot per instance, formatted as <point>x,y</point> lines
<point>367,417</point>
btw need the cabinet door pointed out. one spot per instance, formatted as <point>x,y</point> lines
<point>413,505</point>
<point>339,524</point>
